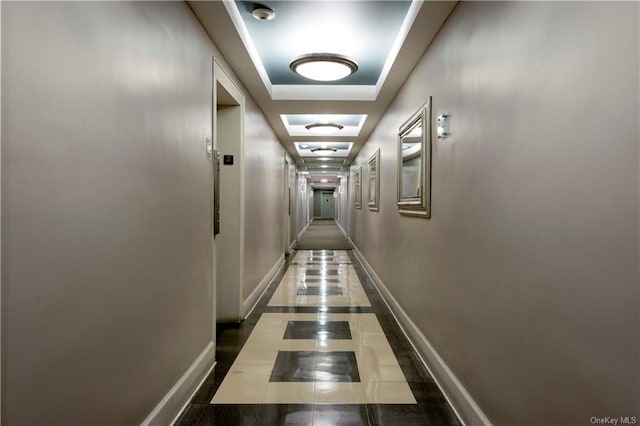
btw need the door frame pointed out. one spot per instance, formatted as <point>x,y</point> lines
<point>287,206</point>
<point>228,245</point>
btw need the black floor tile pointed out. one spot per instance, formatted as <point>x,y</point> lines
<point>294,366</point>
<point>285,414</point>
<point>320,291</point>
<point>427,393</point>
<point>432,408</point>
<point>315,309</point>
<point>321,272</point>
<point>191,415</point>
<point>412,367</point>
<point>208,388</point>
<point>320,280</point>
<point>395,414</point>
<point>439,414</point>
<point>340,414</point>
<point>307,366</point>
<point>229,414</point>
<point>337,366</point>
<point>315,329</point>
<point>398,342</point>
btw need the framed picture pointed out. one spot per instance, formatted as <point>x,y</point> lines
<point>373,188</point>
<point>414,164</point>
<point>358,182</point>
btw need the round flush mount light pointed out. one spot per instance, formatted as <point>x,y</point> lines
<point>263,13</point>
<point>323,66</point>
<point>324,150</point>
<point>323,128</point>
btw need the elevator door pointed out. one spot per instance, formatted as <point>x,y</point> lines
<point>327,205</point>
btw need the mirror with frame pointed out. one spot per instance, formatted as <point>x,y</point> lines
<point>358,191</point>
<point>414,164</point>
<point>373,189</point>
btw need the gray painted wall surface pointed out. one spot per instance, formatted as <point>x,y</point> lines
<point>107,207</point>
<point>317,203</point>
<point>264,201</point>
<point>525,279</point>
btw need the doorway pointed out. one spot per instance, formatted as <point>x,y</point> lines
<point>327,205</point>
<point>287,197</point>
<point>228,136</point>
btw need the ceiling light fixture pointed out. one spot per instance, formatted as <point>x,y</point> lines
<point>323,66</point>
<point>263,13</point>
<point>324,150</point>
<point>323,128</point>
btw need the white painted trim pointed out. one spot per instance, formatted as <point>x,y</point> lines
<point>243,32</point>
<point>465,407</point>
<point>291,246</point>
<point>168,410</point>
<point>302,232</point>
<point>407,23</point>
<point>328,92</point>
<point>252,300</point>
<point>344,233</point>
<point>220,76</point>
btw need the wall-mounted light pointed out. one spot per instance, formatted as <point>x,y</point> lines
<point>323,128</point>
<point>323,66</point>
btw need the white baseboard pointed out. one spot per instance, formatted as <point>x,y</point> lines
<point>459,398</point>
<point>250,302</point>
<point>168,410</point>
<point>344,232</point>
<point>303,229</point>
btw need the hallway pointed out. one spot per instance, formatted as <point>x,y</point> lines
<point>320,348</point>
<point>162,160</point>
<point>322,234</point>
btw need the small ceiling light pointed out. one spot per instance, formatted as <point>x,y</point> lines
<point>324,180</point>
<point>263,13</point>
<point>323,66</point>
<point>323,128</point>
<point>324,151</point>
<point>304,145</point>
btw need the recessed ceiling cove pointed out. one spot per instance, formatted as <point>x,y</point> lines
<point>316,149</point>
<point>370,33</point>
<point>297,124</point>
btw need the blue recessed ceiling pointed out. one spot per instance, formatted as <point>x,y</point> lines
<point>362,30</point>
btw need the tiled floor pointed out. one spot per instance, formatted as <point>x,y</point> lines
<point>320,348</point>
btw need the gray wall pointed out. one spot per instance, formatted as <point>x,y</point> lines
<point>525,279</point>
<point>264,200</point>
<point>317,203</point>
<point>107,207</point>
